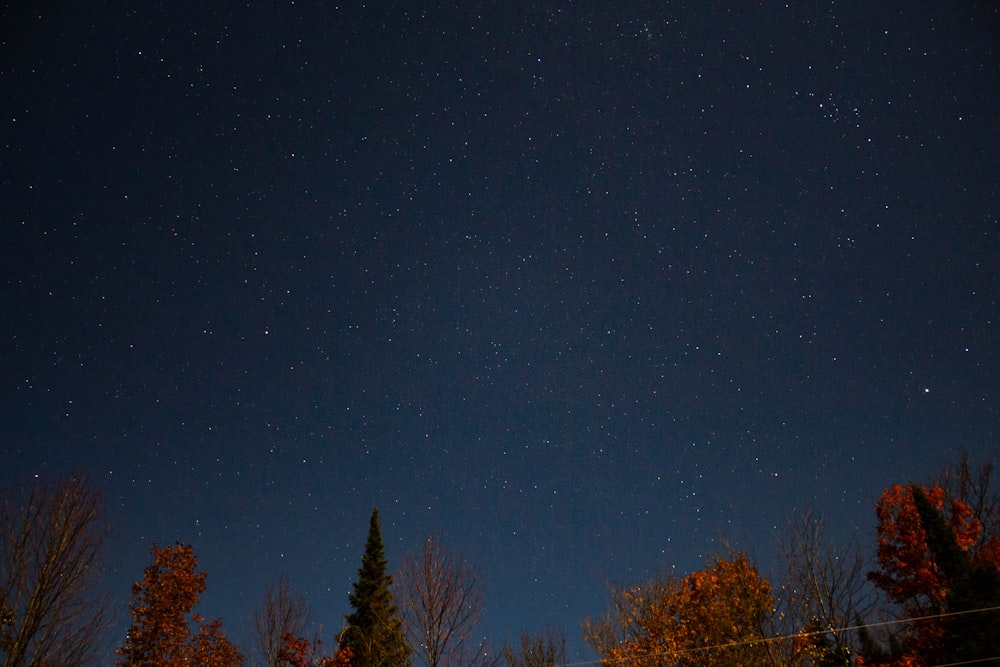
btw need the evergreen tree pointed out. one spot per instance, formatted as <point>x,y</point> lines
<point>942,541</point>
<point>374,630</point>
<point>974,585</point>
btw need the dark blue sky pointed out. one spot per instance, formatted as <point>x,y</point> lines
<point>582,287</point>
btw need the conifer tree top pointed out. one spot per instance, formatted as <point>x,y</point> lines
<point>374,630</point>
<point>372,586</point>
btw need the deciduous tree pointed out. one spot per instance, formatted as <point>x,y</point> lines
<point>937,554</point>
<point>824,590</point>
<point>907,572</point>
<point>211,648</point>
<point>50,542</point>
<point>297,651</point>
<point>161,609</point>
<point>547,649</point>
<point>374,630</point>
<point>973,483</point>
<point>441,606</point>
<point>972,624</point>
<point>713,617</point>
<point>282,613</point>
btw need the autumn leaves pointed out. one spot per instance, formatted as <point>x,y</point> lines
<point>939,562</point>
<point>932,598</point>
<point>161,609</point>
<point>707,618</point>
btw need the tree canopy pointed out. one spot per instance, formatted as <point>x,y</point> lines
<point>714,616</point>
<point>161,610</point>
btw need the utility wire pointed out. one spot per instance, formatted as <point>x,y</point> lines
<point>764,640</point>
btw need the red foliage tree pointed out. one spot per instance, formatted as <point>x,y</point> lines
<point>299,652</point>
<point>159,635</point>
<point>909,572</point>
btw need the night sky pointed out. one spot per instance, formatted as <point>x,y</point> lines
<point>581,287</point>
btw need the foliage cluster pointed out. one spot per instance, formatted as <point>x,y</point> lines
<point>934,593</point>
<point>932,597</point>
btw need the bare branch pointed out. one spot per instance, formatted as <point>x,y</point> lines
<point>824,586</point>
<point>547,649</point>
<point>438,596</point>
<point>50,541</point>
<point>973,484</point>
<point>282,612</point>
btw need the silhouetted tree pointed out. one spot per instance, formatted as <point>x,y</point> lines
<point>50,541</point>
<point>547,649</point>
<point>441,607</point>
<point>374,630</point>
<point>824,590</point>
<point>281,613</point>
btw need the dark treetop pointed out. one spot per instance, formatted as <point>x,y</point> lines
<point>374,631</point>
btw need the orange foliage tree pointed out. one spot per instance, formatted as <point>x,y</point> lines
<point>159,635</point>
<point>715,616</point>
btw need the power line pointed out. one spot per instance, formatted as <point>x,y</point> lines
<point>911,619</point>
<point>765,640</point>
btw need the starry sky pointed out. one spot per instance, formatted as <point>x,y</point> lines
<point>582,287</point>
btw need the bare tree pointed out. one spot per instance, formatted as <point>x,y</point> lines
<point>438,596</point>
<point>50,541</point>
<point>547,649</point>
<point>825,589</point>
<point>282,612</point>
<point>973,484</point>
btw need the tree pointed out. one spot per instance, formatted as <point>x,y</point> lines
<point>547,649</point>
<point>50,543</point>
<point>441,607</point>
<point>374,630</point>
<point>299,652</point>
<point>937,554</point>
<point>623,624</point>
<point>907,572</point>
<point>973,586</point>
<point>159,635</point>
<point>211,648</point>
<point>825,589</point>
<point>281,613</point>
<point>715,616</point>
<point>973,484</point>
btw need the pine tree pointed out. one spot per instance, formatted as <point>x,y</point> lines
<point>374,631</point>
